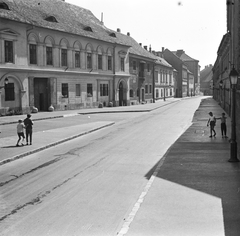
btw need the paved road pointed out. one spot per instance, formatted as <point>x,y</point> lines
<point>91,182</point>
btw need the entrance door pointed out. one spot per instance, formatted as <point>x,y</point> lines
<point>143,98</point>
<point>121,101</point>
<point>41,93</point>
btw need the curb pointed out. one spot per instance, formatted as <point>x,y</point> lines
<point>51,145</point>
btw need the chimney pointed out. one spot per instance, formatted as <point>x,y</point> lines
<point>145,47</point>
<point>102,18</point>
<point>128,34</point>
<point>180,52</point>
<point>163,49</point>
<point>150,49</point>
<point>140,44</point>
<point>118,30</point>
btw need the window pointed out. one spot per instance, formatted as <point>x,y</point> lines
<point>8,46</point>
<point>89,60</point>
<point>146,88</point>
<point>109,62</point>
<point>51,19</point>
<point>89,90</point>
<point>49,55</point>
<point>103,89</point>
<point>131,93</point>
<point>148,67</point>
<point>99,61</point>
<point>122,64</point>
<point>150,88</point>
<point>33,53</point>
<point>4,6</point>
<point>77,59</point>
<point>134,65</point>
<point>88,28</point>
<point>157,93</point>
<point>9,92</point>
<point>65,90</point>
<point>64,57</point>
<point>78,90</point>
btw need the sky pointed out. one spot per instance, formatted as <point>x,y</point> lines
<point>196,26</point>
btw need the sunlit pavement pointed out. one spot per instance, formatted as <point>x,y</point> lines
<point>194,190</point>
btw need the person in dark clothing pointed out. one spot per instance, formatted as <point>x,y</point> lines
<point>28,125</point>
<point>223,119</point>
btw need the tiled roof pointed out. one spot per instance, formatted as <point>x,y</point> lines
<point>70,18</point>
<point>135,49</point>
<point>206,74</point>
<point>185,57</point>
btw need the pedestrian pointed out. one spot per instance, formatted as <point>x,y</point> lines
<point>212,123</point>
<point>28,126</point>
<point>20,133</point>
<point>223,119</point>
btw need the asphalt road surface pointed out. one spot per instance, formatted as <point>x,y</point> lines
<point>89,185</point>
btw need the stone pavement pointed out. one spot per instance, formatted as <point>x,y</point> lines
<point>193,190</point>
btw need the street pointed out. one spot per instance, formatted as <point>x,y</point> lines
<point>89,185</point>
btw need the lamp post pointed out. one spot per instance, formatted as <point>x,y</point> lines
<point>5,82</point>
<point>233,79</point>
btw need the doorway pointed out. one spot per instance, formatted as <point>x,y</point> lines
<point>41,93</point>
<point>121,100</point>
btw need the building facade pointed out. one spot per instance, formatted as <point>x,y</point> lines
<point>64,57</point>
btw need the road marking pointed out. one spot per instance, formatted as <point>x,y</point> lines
<point>137,205</point>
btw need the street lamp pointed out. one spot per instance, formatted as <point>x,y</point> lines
<point>5,82</point>
<point>233,80</point>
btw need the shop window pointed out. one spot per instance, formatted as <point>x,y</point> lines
<point>89,90</point>
<point>78,90</point>
<point>9,92</point>
<point>33,53</point>
<point>103,89</point>
<point>65,90</point>
<point>131,93</point>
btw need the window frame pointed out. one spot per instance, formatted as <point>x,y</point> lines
<point>32,54</point>
<point>109,62</point>
<point>49,56</point>
<point>78,90</point>
<point>8,52</point>
<point>65,91</point>
<point>64,58</point>
<point>77,59</point>
<point>100,62</point>
<point>89,90</point>
<point>9,92</point>
<point>122,64</point>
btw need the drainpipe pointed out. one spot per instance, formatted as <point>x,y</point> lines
<point>114,75</point>
<point>153,82</point>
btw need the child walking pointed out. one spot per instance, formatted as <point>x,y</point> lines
<point>20,132</point>
<point>212,123</point>
<point>223,119</point>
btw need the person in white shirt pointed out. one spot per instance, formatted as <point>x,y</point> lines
<point>20,132</point>
<point>212,123</point>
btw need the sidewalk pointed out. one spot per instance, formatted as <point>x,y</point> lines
<point>194,190</point>
<point>59,114</point>
<point>9,152</point>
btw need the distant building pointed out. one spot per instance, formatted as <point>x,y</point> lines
<point>192,65</point>
<point>206,80</point>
